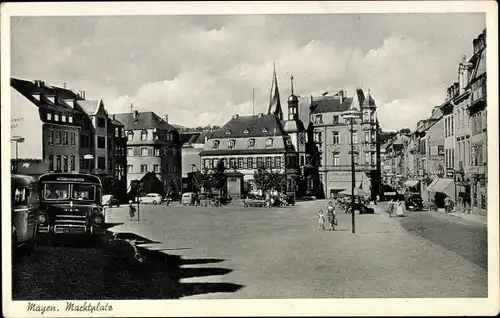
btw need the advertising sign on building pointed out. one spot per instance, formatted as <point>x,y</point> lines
<point>26,124</point>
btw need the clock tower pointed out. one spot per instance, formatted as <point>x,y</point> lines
<point>294,126</point>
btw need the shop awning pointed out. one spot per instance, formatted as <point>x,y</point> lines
<point>344,182</point>
<point>442,185</point>
<point>411,183</point>
<point>357,192</point>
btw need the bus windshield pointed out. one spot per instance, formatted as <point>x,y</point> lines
<point>20,196</point>
<point>56,191</point>
<point>83,192</point>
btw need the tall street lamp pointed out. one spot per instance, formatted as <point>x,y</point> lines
<point>192,176</point>
<point>350,116</point>
<point>17,140</point>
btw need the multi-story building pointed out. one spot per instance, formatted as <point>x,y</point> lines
<point>477,109</point>
<point>153,148</point>
<point>245,143</point>
<point>332,136</point>
<point>77,134</point>
<point>192,145</point>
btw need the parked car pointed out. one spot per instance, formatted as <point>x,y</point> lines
<point>154,198</point>
<point>413,202</point>
<point>254,202</point>
<point>188,198</point>
<point>110,201</point>
<point>25,212</point>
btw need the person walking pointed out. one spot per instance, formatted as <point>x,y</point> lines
<point>447,204</point>
<point>331,216</point>
<point>321,220</point>
<point>131,210</point>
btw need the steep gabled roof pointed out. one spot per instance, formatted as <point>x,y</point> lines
<point>90,107</point>
<point>330,104</point>
<point>258,126</point>
<point>144,120</point>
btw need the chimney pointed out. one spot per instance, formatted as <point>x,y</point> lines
<point>235,116</point>
<point>136,114</point>
<point>166,118</point>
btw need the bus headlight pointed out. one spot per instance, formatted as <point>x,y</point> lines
<point>42,218</point>
<point>98,219</point>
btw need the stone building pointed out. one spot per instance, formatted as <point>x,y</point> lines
<point>153,147</point>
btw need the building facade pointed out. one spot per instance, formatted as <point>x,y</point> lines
<point>153,147</point>
<point>332,137</point>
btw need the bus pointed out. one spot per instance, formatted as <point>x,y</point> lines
<point>25,209</point>
<point>70,204</point>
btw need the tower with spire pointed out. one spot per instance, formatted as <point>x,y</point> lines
<point>293,103</point>
<point>274,102</point>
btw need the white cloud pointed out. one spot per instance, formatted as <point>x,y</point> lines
<point>201,71</point>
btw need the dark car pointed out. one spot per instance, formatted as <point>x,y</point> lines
<point>110,201</point>
<point>414,202</point>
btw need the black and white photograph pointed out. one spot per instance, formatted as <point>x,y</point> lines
<point>272,157</point>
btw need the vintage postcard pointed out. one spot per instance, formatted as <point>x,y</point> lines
<point>250,158</point>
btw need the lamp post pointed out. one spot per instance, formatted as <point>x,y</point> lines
<point>192,176</point>
<point>17,140</point>
<point>350,116</point>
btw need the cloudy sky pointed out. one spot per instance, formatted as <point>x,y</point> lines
<point>201,69</point>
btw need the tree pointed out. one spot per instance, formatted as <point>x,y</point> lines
<point>202,180</point>
<point>267,179</point>
<point>218,177</point>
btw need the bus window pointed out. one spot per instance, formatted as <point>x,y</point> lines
<point>56,191</point>
<point>83,192</point>
<point>20,196</point>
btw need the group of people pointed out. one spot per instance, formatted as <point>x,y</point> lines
<point>330,217</point>
<point>397,208</point>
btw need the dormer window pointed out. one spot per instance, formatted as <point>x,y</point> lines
<point>56,117</point>
<point>264,130</point>
<point>49,116</point>
<point>231,144</point>
<point>63,118</point>
<point>269,142</point>
<point>130,136</point>
<point>144,135</point>
<point>117,132</point>
<point>251,143</point>
<point>70,119</point>
<point>228,132</point>
<point>215,144</point>
<point>155,136</point>
<point>246,131</point>
<point>318,119</point>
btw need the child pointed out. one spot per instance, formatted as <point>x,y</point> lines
<point>321,220</point>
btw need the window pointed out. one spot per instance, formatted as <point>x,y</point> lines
<point>264,130</point>
<point>72,163</point>
<point>366,116</point>
<point>355,137</point>
<point>73,138</point>
<point>336,159</point>
<point>259,162</point>
<point>302,161</point>
<point>246,131</point>
<point>251,143</point>
<point>82,163</point>
<point>335,119</point>
<point>231,144</point>
<point>63,118</point>
<point>101,163</point>
<point>144,168</point>
<point>156,168</point>
<point>144,135</point>
<point>277,162</point>
<point>51,162</point>
<point>65,138</point>
<point>367,158</point>
<point>269,162</point>
<point>50,137</point>
<point>215,144</point>
<point>374,161</point>
<point>228,132</point>
<point>317,136</point>
<point>367,136</point>
<point>58,163</point>
<point>374,136</point>
<point>49,116</point>
<point>169,136</point>
<point>336,138</point>
<point>56,117</point>
<point>318,119</point>
<point>101,142</point>
<point>130,168</point>
<point>269,142</point>
<point>70,119</point>
<point>232,163</point>
<point>248,163</point>
<point>58,137</point>
<point>130,151</point>
<point>130,136</point>
<point>144,151</point>
<point>101,122</point>
<point>117,132</point>
<point>56,191</point>
<point>240,163</point>
<point>157,151</point>
<point>254,163</point>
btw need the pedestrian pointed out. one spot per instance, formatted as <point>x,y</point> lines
<point>321,220</point>
<point>331,216</point>
<point>131,210</point>
<point>391,208</point>
<point>447,205</point>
